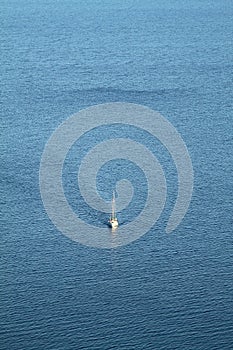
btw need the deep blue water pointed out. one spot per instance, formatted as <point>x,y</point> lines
<point>162,291</point>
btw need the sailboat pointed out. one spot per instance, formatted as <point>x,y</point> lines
<point>113,222</point>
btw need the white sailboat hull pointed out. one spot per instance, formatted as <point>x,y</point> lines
<point>113,223</point>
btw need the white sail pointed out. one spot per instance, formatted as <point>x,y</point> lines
<point>113,219</point>
<point>113,206</point>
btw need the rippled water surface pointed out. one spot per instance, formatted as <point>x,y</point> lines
<point>162,291</point>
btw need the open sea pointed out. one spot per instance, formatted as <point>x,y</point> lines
<point>162,291</point>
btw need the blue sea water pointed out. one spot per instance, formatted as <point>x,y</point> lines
<point>161,292</point>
